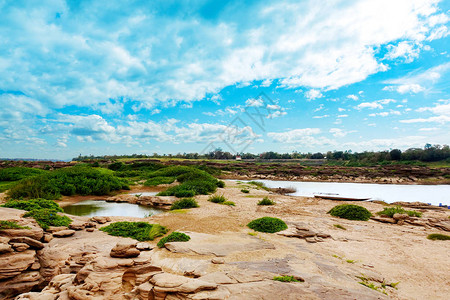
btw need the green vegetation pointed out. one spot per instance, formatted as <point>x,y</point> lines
<point>217,198</point>
<point>67,182</point>
<point>33,204</point>
<point>192,181</point>
<point>376,285</point>
<point>229,203</point>
<point>340,226</point>
<point>391,211</point>
<point>11,225</point>
<point>438,236</point>
<point>48,217</point>
<point>173,237</point>
<point>184,203</point>
<point>159,180</point>
<point>18,173</point>
<point>259,185</point>
<point>350,212</point>
<point>141,231</point>
<point>267,224</point>
<point>287,278</point>
<point>266,201</point>
<point>245,191</point>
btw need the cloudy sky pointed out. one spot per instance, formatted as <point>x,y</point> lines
<point>123,77</point>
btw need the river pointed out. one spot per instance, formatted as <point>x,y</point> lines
<point>433,194</point>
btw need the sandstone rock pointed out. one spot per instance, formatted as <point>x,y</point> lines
<point>21,283</point>
<point>398,217</point>
<point>383,219</point>
<point>219,278</point>
<point>125,250</point>
<point>64,233</point>
<point>34,233</point>
<point>101,219</point>
<point>20,247</point>
<point>53,229</point>
<point>5,248</point>
<point>12,264</point>
<point>144,246</point>
<point>48,237</point>
<point>29,241</point>
<point>90,229</point>
<point>311,240</point>
<point>166,282</point>
<point>77,225</point>
<point>217,260</point>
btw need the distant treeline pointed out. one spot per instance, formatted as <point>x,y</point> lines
<point>429,153</point>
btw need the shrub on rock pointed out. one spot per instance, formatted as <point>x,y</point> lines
<point>266,201</point>
<point>267,224</point>
<point>391,211</point>
<point>350,212</point>
<point>141,231</point>
<point>48,217</point>
<point>173,237</point>
<point>33,204</point>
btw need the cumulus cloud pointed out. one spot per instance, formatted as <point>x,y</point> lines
<point>441,113</point>
<point>406,50</point>
<point>370,105</point>
<point>293,136</point>
<point>313,94</point>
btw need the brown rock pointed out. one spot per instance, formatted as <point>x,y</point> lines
<point>14,263</point>
<point>90,229</point>
<point>48,237</point>
<point>217,260</point>
<point>29,241</point>
<point>64,233</point>
<point>20,247</point>
<point>144,246</point>
<point>5,248</point>
<point>21,283</point>
<point>170,283</point>
<point>398,217</point>
<point>53,229</point>
<point>34,233</point>
<point>125,250</point>
<point>311,240</point>
<point>101,220</point>
<point>383,219</point>
<point>77,225</point>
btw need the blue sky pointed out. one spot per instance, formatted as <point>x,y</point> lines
<point>123,77</point>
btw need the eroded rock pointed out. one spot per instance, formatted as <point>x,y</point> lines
<point>64,233</point>
<point>125,250</point>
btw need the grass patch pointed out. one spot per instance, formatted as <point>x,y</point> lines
<point>11,225</point>
<point>259,185</point>
<point>267,224</point>
<point>266,201</point>
<point>391,211</point>
<point>18,173</point>
<point>217,198</point>
<point>67,182</point>
<point>48,217</point>
<point>245,191</point>
<point>286,278</point>
<point>340,226</point>
<point>33,204</point>
<point>6,185</point>
<point>376,285</point>
<point>350,212</point>
<point>184,203</point>
<point>141,231</point>
<point>350,261</point>
<point>173,237</point>
<point>229,203</point>
<point>159,180</point>
<point>438,237</point>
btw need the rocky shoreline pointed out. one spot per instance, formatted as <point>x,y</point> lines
<point>224,259</point>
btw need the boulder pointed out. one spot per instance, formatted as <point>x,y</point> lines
<point>90,229</point>
<point>125,250</point>
<point>34,233</point>
<point>48,237</point>
<point>20,247</point>
<point>144,246</point>
<point>14,263</point>
<point>5,248</point>
<point>29,241</point>
<point>77,225</point>
<point>100,219</point>
<point>64,233</point>
<point>53,229</point>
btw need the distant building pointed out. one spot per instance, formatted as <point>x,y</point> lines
<point>238,157</point>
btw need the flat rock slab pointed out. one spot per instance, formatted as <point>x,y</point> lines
<point>29,241</point>
<point>218,245</point>
<point>64,233</point>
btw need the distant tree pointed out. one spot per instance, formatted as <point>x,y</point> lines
<point>395,154</point>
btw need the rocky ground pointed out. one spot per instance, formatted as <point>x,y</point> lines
<point>226,260</point>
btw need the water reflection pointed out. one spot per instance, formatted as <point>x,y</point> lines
<point>90,208</point>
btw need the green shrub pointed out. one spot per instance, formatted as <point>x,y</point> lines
<point>266,201</point>
<point>229,203</point>
<point>184,203</point>
<point>259,185</point>
<point>391,211</point>
<point>11,225</point>
<point>159,180</point>
<point>245,191</point>
<point>438,236</point>
<point>286,278</point>
<point>141,231</point>
<point>33,204</point>
<point>217,198</point>
<point>173,237</point>
<point>68,181</point>
<point>48,217</point>
<point>18,173</point>
<point>116,166</point>
<point>220,184</point>
<point>350,212</point>
<point>267,224</point>
<point>340,226</point>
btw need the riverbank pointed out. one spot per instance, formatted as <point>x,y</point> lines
<point>226,259</point>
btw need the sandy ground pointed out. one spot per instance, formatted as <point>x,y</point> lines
<point>400,253</point>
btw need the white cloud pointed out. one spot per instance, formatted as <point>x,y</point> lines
<point>321,117</point>
<point>156,111</point>
<point>386,101</point>
<point>266,83</point>
<point>405,88</point>
<point>353,97</point>
<point>313,94</point>
<point>440,110</point>
<point>273,107</point>
<point>342,116</point>
<point>406,50</point>
<point>341,109</point>
<point>276,114</point>
<point>254,102</point>
<point>370,105</point>
<point>321,106</point>
<point>429,129</point>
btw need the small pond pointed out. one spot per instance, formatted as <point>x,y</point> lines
<point>90,208</point>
